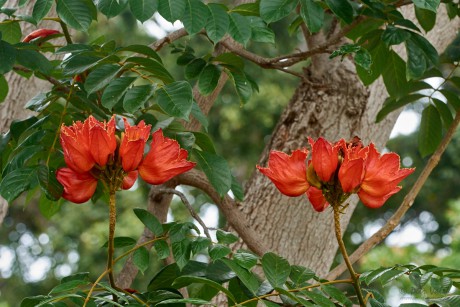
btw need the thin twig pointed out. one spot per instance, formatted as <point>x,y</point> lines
<point>189,207</point>
<point>394,221</point>
<point>229,208</point>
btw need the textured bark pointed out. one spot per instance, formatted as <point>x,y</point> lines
<point>13,106</point>
<point>341,108</point>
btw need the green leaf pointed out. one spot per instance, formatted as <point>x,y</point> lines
<point>392,104</point>
<point>299,275</point>
<point>176,99</point>
<point>274,10</point>
<point>137,96</point>
<point>204,142</point>
<point>229,60</point>
<point>111,8</point>
<point>33,301</point>
<point>194,68</point>
<point>11,31</point>
<point>444,111</point>
<point>150,221</point>
<point>33,60</point>
<point>192,301</point>
<point>199,244</point>
<point>452,98</point>
<point>390,276</point>
<point>337,295</point>
<point>216,169</point>
<point>183,281</point>
<point>394,76</point>
<point>426,18</point>
<point>452,51</point>
<point>209,78</point>
<point>181,252</point>
<point>224,237</point>
<point>143,9</point>
<point>3,88</point>
<point>75,13</point>
<point>48,183</point>
<point>141,259</point>
<point>218,251</point>
<point>115,91</point>
<point>416,62</point>
<point>162,249</point>
<point>218,22</point>
<point>363,58</point>
<point>342,9</point>
<point>242,85</point>
<point>120,242</point>
<point>195,17</point>
<point>171,10</point>
<point>430,134</point>
<point>100,77</point>
<point>448,301</point>
<point>260,32</point>
<point>154,67</point>
<point>430,52</point>
<point>68,286</point>
<point>441,285</point>
<point>313,15</point>
<point>164,278</point>
<point>247,9</point>
<point>431,5</point>
<point>199,115</point>
<point>41,9</point>
<point>78,64</point>
<point>18,181</point>
<point>237,189</point>
<point>395,36</point>
<point>240,28</point>
<point>245,260</point>
<point>319,299</point>
<point>8,56</point>
<point>247,278</point>
<point>49,207</point>
<point>379,53</point>
<point>142,49</point>
<point>276,269</point>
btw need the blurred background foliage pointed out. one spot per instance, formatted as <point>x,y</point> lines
<point>35,251</point>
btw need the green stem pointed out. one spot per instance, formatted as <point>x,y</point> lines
<point>111,248</point>
<point>343,250</point>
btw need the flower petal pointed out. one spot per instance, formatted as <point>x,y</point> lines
<point>317,199</point>
<point>164,160</point>
<point>133,144</point>
<point>102,138</point>
<point>325,159</point>
<point>78,187</point>
<point>75,145</point>
<point>287,172</point>
<point>129,180</point>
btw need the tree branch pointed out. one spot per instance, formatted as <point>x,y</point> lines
<point>228,206</point>
<point>189,208</point>
<point>394,221</point>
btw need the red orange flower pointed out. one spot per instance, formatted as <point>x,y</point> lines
<point>75,143</point>
<point>39,33</point>
<point>78,187</point>
<point>132,145</point>
<point>324,157</point>
<point>90,148</point>
<point>165,160</point>
<point>288,172</point>
<point>382,176</point>
<point>335,171</point>
<point>102,138</point>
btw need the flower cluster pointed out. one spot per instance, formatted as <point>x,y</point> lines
<point>92,152</point>
<point>335,171</point>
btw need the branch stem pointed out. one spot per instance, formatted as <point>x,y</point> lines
<point>343,250</point>
<point>111,248</point>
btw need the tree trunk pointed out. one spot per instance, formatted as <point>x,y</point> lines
<point>341,108</point>
<point>13,106</point>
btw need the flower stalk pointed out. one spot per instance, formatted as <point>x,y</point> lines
<point>343,250</point>
<point>111,247</point>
